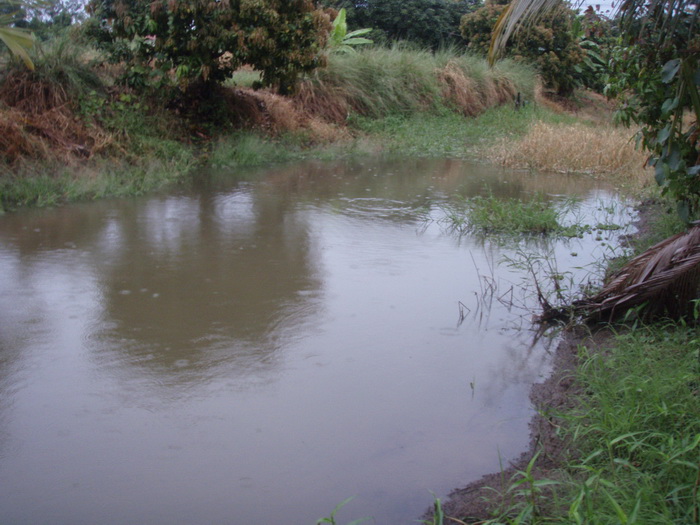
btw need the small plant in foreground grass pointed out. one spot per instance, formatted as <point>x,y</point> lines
<point>439,517</point>
<point>524,485</point>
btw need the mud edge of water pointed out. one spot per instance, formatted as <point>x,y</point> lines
<point>484,498</point>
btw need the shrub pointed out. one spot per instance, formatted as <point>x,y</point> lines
<point>204,42</point>
<point>550,44</point>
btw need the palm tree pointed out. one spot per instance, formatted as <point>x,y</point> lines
<point>18,40</point>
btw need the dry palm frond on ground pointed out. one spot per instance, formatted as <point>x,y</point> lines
<point>662,281</point>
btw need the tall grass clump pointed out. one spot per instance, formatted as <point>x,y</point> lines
<point>247,149</point>
<point>61,76</point>
<point>37,107</point>
<point>491,215</point>
<point>580,148</point>
<point>381,81</point>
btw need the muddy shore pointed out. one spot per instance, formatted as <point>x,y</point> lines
<point>488,496</point>
<point>484,498</point>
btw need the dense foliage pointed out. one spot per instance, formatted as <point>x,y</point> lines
<point>656,74</point>
<point>205,41</point>
<point>428,23</point>
<point>550,43</point>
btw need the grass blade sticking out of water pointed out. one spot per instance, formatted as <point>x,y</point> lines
<point>491,215</point>
<point>331,519</point>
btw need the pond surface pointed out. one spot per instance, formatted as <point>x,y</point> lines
<point>257,352</point>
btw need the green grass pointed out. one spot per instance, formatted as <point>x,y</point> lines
<point>490,215</point>
<point>40,185</point>
<point>448,134</point>
<point>244,78</point>
<point>635,436</point>
<point>638,430</point>
<point>383,81</point>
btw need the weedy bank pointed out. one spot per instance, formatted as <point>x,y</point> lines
<point>69,131</point>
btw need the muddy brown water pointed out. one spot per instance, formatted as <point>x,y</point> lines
<point>257,352</point>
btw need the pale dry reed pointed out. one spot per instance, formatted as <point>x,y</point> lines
<point>602,150</point>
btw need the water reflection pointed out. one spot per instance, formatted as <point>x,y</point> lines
<point>205,280</point>
<point>249,350</point>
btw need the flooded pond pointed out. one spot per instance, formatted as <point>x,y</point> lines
<point>257,352</point>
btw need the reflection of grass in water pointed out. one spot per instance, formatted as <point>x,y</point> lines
<point>491,215</point>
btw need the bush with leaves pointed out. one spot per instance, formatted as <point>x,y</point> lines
<point>428,23</point>
<point>205,41</point>
<point>655,74</point>
<point>550,44</point>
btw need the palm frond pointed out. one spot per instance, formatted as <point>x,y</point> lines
<point>519,13</point>
<point>18,41</point>
<point>662,281</point>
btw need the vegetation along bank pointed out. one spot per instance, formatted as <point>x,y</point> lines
<point>125,98</point>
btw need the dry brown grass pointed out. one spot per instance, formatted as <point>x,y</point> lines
<point>470,96</point>
<point>601,150</point>
<point>329,103</point>
<point>461,91</point>
<point>36,121</point>
<point>275,114</point>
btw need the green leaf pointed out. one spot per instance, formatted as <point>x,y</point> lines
<point>670,69</point>
<point>357,41</point>
<point>669,105</point>
<point>663,135</point>
<point>18,41</point>
<point>358,32</point>
<point>661,173</point>
<point>616,506</point>
<point>674,158</point>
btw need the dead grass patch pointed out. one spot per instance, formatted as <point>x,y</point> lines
<point>329,103</point>
<point>461,91</point>
<point>274,115</point>
<point>600,150</point>
<point>37,121</point>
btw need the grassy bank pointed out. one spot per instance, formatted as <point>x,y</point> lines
<point>68,132</point>
<point>635,429</point>
<point>631,431</point>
